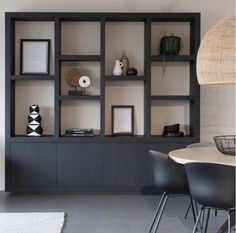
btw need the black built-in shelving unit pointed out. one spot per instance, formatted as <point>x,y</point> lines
<point>98,163</point>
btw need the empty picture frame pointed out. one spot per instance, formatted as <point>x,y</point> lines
<point>122,120</point>
<point>35,54</point>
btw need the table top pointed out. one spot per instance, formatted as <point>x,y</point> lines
<point>202,154</point>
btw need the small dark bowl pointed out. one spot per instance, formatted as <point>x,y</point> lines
<point>132,71</point>
<point>226,144</point>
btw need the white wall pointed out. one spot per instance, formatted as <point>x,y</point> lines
<point>217,102</point>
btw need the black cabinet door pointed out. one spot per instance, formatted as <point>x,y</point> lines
<point>79,164</point>
<point>33,164</point>
<point>125,164</point>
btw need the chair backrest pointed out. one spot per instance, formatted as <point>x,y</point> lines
<point>168,175</point>
<point>212,185</point>
<point>210,144</point>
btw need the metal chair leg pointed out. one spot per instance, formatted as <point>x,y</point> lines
<point>193,210</point>
<point>207,220</point>
<point>189,206</point>
<point>198,218</point>
<point>229,223</point>
<point>157,211</point>
<point>216,213</point>
<point>160,215</point>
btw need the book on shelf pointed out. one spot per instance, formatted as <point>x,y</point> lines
<point>79,132</point>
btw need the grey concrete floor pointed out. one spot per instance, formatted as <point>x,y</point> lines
<point>107,213</point>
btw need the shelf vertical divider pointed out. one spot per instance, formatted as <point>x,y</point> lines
<point>57,83</point>
<point>102,78</point>
<point>147,71</point>
<point>194,86</point>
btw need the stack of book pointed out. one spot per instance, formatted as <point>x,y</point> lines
<point>79,132</point>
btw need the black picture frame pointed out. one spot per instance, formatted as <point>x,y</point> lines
<point>34,58</point>
<point>117,118</point>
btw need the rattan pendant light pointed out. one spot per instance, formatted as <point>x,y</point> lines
<point>216,55</point>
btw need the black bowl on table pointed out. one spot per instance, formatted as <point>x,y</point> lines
<point>226,144</point>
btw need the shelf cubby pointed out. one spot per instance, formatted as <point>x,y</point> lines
<point>118,37</point>
<point>90,69</point>
<point>34,92</point>
<point>34,30</point>
<point>80,114</point>
<point>168,112</point>
<point>163,75</point>
<point>180,29</point>
<point>83,39</point>
<point>125,93</point>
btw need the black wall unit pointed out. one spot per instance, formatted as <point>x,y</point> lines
<point>102,163</point>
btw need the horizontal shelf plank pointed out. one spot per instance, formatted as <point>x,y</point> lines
<point>106,139</point>
<point>171,97</point>
<point>125,78</point>
<point>174,58</point>
<point>79,58</point>
<point>79,97</point>
<point>32,77</point>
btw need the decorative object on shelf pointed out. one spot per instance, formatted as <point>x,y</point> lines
<point>117,70</point>
<point>226,144</point>
<point>172,131</point>
<point>124,59</point>
<point>79,132</point>
<point>35,56</point>
<point>34,127</point>
<point>216,55</point>
<point>170,45</point>
<point>132,71</point>
<point>84,82</point>
<point>122,120</point>
<point>73,81</point>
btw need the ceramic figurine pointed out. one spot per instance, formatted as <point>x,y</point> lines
<point>117,71</point>
<point>124,59</point>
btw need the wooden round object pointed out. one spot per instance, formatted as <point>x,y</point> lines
<point>73,77</point>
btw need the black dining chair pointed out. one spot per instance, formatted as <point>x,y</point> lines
<point>212,186</point>
<point>170,177</point>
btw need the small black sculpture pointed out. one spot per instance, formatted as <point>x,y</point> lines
<point>172,131</point>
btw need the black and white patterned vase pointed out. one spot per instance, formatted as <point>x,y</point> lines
<point>34,127</point>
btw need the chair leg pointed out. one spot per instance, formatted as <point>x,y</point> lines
<point>160,215</point>
<point>193,210</point>
<point>216,213</point>
<point>207,220</point>
<point>157,211</point>
<point>198,218</point>
<point>189,206</point>
<point>229,223</point>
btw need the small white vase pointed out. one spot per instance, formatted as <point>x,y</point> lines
<point>117,70</point>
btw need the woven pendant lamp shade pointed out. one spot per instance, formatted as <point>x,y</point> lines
<point>216,54</point>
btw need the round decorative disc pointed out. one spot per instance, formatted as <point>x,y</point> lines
<point>73,77</point>
<point>84,81</point>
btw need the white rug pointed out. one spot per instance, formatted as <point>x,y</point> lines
<point>31,222</point>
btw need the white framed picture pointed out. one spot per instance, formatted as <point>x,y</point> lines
<point>35,56</point>
<point>122,120</point>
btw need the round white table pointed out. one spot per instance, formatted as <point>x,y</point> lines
<point>202,154</point>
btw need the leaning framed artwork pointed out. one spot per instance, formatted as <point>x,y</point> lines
<point>122,120</point>
<point>35,56</point>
